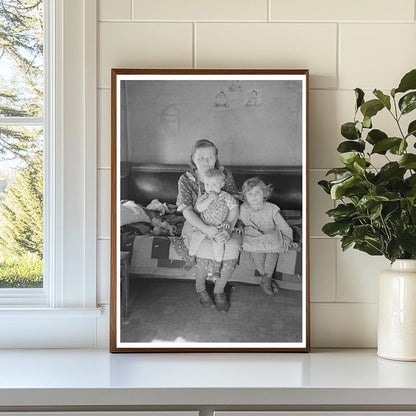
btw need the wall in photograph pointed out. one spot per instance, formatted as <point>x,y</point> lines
<point>163,120</point>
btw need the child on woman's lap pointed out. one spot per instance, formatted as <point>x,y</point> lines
<point>266,233</point>
<point>217,208</point>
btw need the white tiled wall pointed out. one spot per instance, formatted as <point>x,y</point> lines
<point>345,44</point>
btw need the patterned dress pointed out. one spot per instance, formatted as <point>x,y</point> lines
<point>216,214</point>
<point>265,230</point>
<point>217,211</point>
<point>189,188</point>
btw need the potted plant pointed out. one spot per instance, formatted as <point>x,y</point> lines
<point>376,209</point>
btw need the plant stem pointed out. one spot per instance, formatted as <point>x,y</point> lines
<point>397,118</point>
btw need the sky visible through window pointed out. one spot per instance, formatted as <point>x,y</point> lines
<point>21,143</point>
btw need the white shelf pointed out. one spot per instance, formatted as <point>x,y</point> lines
<point>56,378</point>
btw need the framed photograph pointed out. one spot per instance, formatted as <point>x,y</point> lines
<point>209,211</point>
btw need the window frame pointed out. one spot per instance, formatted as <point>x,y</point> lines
<point>38,296</point>
<point>70,230</point>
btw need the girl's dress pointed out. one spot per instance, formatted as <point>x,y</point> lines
<point>189,188</point>
<point>265,230</point>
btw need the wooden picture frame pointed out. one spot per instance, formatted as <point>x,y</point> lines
<point>258,123</point>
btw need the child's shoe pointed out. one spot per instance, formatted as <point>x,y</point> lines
<point>266,284</point>
<point>275,288</point>
<point>205,299</point>
<point>221,302</point>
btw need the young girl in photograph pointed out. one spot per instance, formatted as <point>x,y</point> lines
<point>218,208</point>
<point>265,233</point>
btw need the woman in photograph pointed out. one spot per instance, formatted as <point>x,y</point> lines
<point>204,157</point>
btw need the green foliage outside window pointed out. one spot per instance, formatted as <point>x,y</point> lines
<point>21,146</point>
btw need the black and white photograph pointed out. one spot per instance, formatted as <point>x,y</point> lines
<point>209,210</point>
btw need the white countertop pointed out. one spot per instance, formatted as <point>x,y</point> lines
<point>96,377</point>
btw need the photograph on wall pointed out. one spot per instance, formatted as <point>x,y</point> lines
<point>209,210</point>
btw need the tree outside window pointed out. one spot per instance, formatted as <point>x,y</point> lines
<point>21,143</point>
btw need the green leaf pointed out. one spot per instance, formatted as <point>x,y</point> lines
<point>404,203</point>
<point>346,242</point>
<point>371,108</point>
<point>368,248</point>
<point>349,131</point>
<point>325,186</point>
<point>411,183</point>
<point>408,82</point>
<point>391,170</point>
<point>375,211</point>
<point>408,161</point>
<point>385,99</point>
<point>338,171</point>
<point>391,212</point>
<point>411,130</point>
<point>348,158</point>
<point>411,180</point>
<point>408,102</point>
<point>359,165</point>
<point>402,147</point>
<point>361,231</point>
<point>412,201</point>
<point>354,188</point>
<point>338,189</point>
<point>333,229</point>
<point>407,240</point>
<point>342,211</point>
<point>374,136</point>
<point>393,250</point>
<point>369,201</point>
<point>350,146</point>
<point>342,179</point>
<point>413,211</point>
<point>359,94</point>
<point>367,122</point>
<point>398,149</point>
<point>383,145</point>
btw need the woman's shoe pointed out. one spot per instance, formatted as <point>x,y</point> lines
<point>221,302</point>
<point>266,284</point>
<point>205,299</point>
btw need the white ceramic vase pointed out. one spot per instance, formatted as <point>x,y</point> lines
<point>397,312</point>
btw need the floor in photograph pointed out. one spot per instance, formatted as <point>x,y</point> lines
<point>168,310</point>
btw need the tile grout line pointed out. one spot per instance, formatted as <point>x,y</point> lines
<point>338,63</point>
<point>104,88</point>
<point>336,271</point>
<point>307,22</point>
<point>352,302</point>
<point>131,10</point>
<point>323,237</point>
<point>194,62</point>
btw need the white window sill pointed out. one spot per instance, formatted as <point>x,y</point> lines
<point>329,379</point>
<point>37,312</point>
<point>40,327</point>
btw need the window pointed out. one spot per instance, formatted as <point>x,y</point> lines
<point>22,132</point>
<point>64,313</point>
